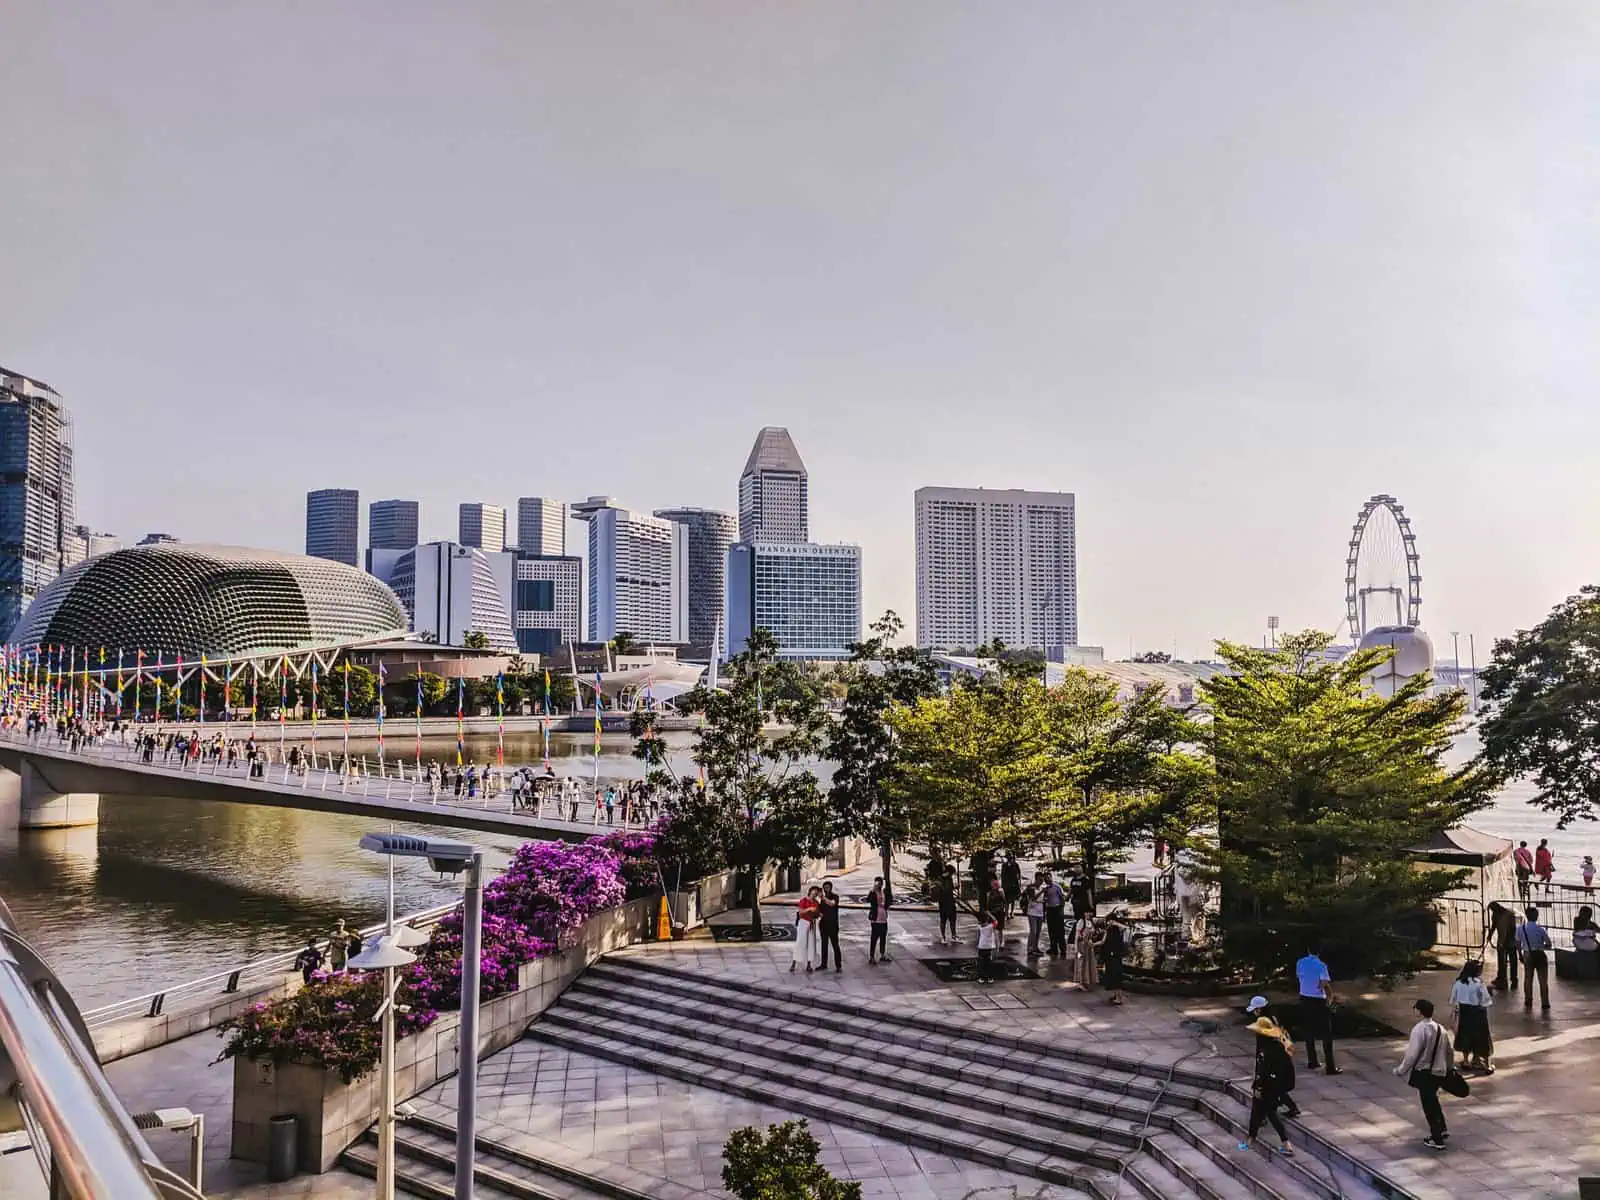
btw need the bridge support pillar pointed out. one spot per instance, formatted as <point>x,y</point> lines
<point>42,807</point>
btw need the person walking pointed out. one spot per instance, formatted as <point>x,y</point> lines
<point>1469,1011</point>
<point>1081,890</point>
<point>828,927</point>
<point>1316,995</point>
<point>948,892</point>
<point>1586,869</point>
<point>1533,945</point>
<point>1055,916</point>
<point>1274,1080</point>
<point>1522,863</point>
<point>1113,944</point>
<point>806,915</point>
<point>878,921</point>
<point>1544,864</point>
<point>1258,1008</point>
<point>1425,1065</point>
<point>1503,929</point>
<point>308,961</point>
<point>1033,908</point>
<point>988,943</point>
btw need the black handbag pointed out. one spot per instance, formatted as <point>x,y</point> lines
<point>1453,1081</point>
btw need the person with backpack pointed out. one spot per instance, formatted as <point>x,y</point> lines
<point>1274,1080</point>
<point>1427,1065</point>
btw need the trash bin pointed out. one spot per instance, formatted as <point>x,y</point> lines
<point>283,1148</point>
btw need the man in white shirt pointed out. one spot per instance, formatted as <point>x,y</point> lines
<point>1316,992</point>
<point>1427,1063</point>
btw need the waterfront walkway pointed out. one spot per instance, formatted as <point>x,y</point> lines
<point>1522,1134</point>
<point>322,782</point>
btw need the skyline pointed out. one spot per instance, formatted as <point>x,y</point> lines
<point>1183,270</point>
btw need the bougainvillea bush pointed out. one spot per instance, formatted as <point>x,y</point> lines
<point>641,871</point>
<point>545,895</point>
<point>552,888</point>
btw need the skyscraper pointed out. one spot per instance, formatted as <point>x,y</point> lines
<point>393,524</point>
<point>333,524</point>
<point>710,534</point>
<point>36,490</point>
<point>450,591</point>
<point>638,573</point>
<point>544,593</point>
<point>807,596</point>
<point>483,527</point>
<point>996,564</point>
<point>541,526</point>
<point>772,491</point>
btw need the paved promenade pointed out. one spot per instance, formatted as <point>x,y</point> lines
<point>1524,1133</point>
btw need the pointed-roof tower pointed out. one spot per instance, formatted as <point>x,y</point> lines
<point>772,491</point>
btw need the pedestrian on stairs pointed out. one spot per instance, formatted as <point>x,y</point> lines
<point>1274,1080</point>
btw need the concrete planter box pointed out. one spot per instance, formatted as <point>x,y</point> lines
<point>716,894</point>
<point>333,1114</point>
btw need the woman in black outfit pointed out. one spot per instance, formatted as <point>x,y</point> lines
<point>1113,944</point>
<point>1274,1080</point>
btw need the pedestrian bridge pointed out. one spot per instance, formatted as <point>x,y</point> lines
<point>63,786</point>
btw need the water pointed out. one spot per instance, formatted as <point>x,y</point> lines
<point>167,890</point>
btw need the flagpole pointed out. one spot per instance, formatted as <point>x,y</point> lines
<point>500,712</point>
<point>547,720</point>
<point>283,701</point>
<point>461,700</point>
<point>314,699</point>
<point>382,679</point>
<point>347,715</point>
<point>202,709</point>
<point>419,720</point>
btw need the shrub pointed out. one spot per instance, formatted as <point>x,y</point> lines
<point>641,872</point>
<point>435,978</point>
<point>780,1164</point>
<point>551,888</point>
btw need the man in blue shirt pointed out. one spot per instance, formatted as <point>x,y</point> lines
<point>1316,990</point>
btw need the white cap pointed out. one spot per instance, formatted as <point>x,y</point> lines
<point>1256,1004</point>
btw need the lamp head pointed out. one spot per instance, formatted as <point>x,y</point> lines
<point>444,856</point>
<point>380,953</point>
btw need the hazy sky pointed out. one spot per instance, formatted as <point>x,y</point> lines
<point>1222,270</point>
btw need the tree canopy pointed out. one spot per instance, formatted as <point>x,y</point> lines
<point>780,1164</point>
<point>1543,691</point>
<point>1320,787</point>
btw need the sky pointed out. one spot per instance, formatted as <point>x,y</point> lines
<point>1221,270</point>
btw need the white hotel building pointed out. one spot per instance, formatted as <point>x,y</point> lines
<point>638,573</point>
<point>807,595</point>
<point>996,564</point>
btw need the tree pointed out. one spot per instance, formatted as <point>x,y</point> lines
<point>1321,787</point>
<point>1543,691</point>
<point>780,1164</point>
<point>623,643</point>
<point>435,690</point>
<point>760,804</point>
<point>476,640</point>
<point>363,691</point>
<point>862,743</point>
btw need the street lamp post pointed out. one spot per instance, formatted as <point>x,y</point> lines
<point>451,858</point>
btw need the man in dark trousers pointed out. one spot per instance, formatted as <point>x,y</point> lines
<point>949,893</point>
<point>1055,916</point>
<point>1503,928</point>
<point>1316,994</point>
<point>878,919</point>
<point>1011,881</point>
<point>1081,889</point>
<point>828,926</point>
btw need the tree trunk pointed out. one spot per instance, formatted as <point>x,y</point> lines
<point>753,877</point>
<point>887,853</point>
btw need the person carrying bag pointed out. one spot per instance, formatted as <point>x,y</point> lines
<point>1429,1066</point>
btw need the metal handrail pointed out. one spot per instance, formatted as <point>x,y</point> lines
<point>94,1150</point>
<point>153,1004</point>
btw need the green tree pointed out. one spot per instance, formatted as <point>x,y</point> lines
<point>862,742</point>
<point>363,691</point>
<point>780,1164</point>
<point>1542,688</point>
<point>1321,786</point>
<point>476,640</point>
<point>438,695</point>
<point>761,803</point>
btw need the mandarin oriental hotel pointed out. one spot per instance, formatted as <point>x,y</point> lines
<point>807,595</point>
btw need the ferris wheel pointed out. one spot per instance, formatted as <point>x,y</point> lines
<point>1383,575</point>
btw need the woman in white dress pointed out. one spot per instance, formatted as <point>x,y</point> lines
<point>805,930</point>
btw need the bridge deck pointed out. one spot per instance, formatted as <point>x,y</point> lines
<point>112,769</point>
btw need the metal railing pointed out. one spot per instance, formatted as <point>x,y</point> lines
<point>86,1143</point>
<point>296,769</point>
<point>241,978</point>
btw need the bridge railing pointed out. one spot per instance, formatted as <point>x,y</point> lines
<point>324,771</point>
<point>237,979</point>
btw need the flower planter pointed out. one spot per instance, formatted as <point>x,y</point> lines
<point>333,1114</point>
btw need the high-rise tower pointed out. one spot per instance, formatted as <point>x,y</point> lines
<point>393,524</point>
<point>772,491</point>
<point>710,534</point>
<point>36,490</point>
<point>541,526</point>
<point>483,527</point>
<point>333,524</point>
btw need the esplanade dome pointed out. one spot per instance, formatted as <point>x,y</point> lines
<point>215,600</point>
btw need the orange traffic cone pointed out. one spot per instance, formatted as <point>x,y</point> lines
<point>664,922</point>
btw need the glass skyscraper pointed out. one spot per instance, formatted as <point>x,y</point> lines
<point>710,534</point>
<point>392,524</point>
<point>333,524</point>
<point>36,490</point>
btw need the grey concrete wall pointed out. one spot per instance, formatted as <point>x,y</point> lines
<point>138,1034</point>
<point>333,1114</point>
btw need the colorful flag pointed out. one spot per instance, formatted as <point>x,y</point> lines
<point>202,689</point>
<point>461,704</point>
<point>383,677</point>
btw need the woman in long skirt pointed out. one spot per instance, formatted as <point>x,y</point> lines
<point>805,930</point>
<point>1087,971</point>
<point>1470,1001</point>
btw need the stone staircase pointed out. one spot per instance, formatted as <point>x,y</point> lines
<point>425,1160</point>
<point>1073,1117</point>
